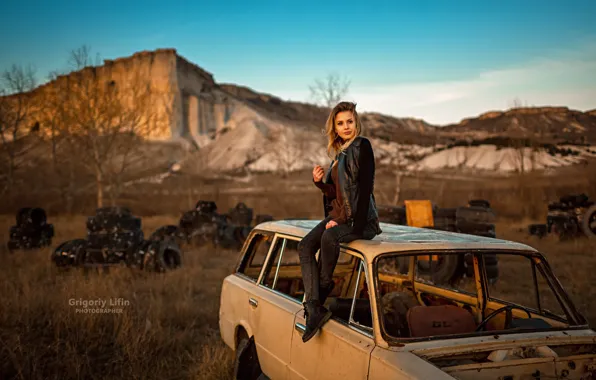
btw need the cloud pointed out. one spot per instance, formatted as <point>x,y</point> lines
<point>567,78</point>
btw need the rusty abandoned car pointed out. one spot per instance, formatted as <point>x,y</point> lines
<point>393,320</point>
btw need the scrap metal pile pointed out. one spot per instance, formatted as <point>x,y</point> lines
<point>114,236</point>
<point>31,231</point>
<point>204,225</point>
<point>570,217</point>
<point>477,218</point>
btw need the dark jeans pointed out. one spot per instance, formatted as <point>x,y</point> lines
<point>320,276</point>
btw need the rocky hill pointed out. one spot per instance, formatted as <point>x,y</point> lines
<point>546,124</point>
<point>231,128</point>
<point>388,128</point>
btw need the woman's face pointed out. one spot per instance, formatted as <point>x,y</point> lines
<point>345,125</point>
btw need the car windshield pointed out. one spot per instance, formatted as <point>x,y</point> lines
<point>447,295</point>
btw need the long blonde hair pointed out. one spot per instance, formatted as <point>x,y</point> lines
<point>335,144</point>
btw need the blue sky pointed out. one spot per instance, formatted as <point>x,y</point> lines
<point>436,60</point>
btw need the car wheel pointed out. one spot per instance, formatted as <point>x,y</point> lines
<point>449,268</point>
<point>589,222</point>
<point>246,364</point>
<point>162,256</point>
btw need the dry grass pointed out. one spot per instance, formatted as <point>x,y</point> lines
<point>168,330</point>
<point>573,262</point>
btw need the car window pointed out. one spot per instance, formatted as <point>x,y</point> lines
<point>254,258</point>
<point>282,272</point>
<point>355,309</point>
<point>527,286</point>
<point>449,271</point>
<point>443,300</point>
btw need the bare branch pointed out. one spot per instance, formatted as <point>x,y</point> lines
<point>16,115</point>
<point>329,91</point>
<point>81,58</point>
<point>101,117</point>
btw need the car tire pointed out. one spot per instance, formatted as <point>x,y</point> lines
<point>447,213</point>
<point>539,230</point>
<point>163,232</point>
<point>479,203</point>
<point>162,256</point>
<point>113,210</point>
<point>446,271</point>
<point>492,273</point>
<point>75,249</point>
<point>589,222</point>
<point>246,364</point>
<point>22,215</point>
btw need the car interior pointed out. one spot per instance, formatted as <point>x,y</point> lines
<point>410,304</point>
<point>422,309</point>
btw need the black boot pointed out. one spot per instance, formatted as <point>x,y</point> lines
<point>316,316</point>
<point>324,292</point>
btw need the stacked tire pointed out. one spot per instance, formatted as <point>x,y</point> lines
<point>204,225</point>
<point>238,227</point>
<point>113,234</point>
<point>392,214</point>
<point>31,230</point>
<point>477,218</point>
<point>571,216</point>
<point>589,222</point>
<point>157,256</point>
<point>71,253</point>
<point>240,215</point>
<point>262,218</point>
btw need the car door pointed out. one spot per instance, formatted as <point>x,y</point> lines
<point>342,349</point>
<point>273,305</point>
<point>239,288</point>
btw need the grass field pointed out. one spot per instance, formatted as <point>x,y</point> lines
<point>168,327</point>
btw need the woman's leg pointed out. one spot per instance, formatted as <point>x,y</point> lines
<point>307,249</point>
<point>330,249</point>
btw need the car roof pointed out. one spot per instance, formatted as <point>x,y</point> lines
<point>400,239</point>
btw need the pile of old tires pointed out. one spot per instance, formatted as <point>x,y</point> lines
<point>477,218</point>
<point>204,225</point>
<point>115,236</point>
<point>31,230</point>
<point>572,216</point>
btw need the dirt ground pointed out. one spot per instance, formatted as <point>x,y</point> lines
<point>168,323</point>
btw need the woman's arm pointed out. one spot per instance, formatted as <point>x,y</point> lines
<point>327,189</point>
<point>366,175</point>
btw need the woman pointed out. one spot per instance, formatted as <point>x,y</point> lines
<point>350,211</point>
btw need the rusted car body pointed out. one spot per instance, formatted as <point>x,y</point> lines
<point>391,321</point>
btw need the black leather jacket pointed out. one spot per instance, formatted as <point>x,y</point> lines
<point>348,172</point>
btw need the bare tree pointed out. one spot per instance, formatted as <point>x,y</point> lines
<point>287,151</point>
<point>17,110</point>
<point>104,120</point>
<point>517,103</point>
<point>329,91</point>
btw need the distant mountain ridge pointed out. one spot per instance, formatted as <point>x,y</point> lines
<point>542,123</point>
<point>389,128</point>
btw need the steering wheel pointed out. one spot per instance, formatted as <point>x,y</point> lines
<point>508,316</point>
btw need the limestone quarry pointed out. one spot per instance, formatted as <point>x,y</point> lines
<point>224,127</point>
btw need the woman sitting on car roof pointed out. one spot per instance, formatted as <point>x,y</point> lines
<point>350,210</point>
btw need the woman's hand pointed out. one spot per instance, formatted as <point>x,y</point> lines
<point>331,223</point>
<point>317,173</point>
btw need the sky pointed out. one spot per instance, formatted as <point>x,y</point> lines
<point>440,61</point>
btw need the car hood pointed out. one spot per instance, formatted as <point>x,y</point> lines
<point>553,355</point>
